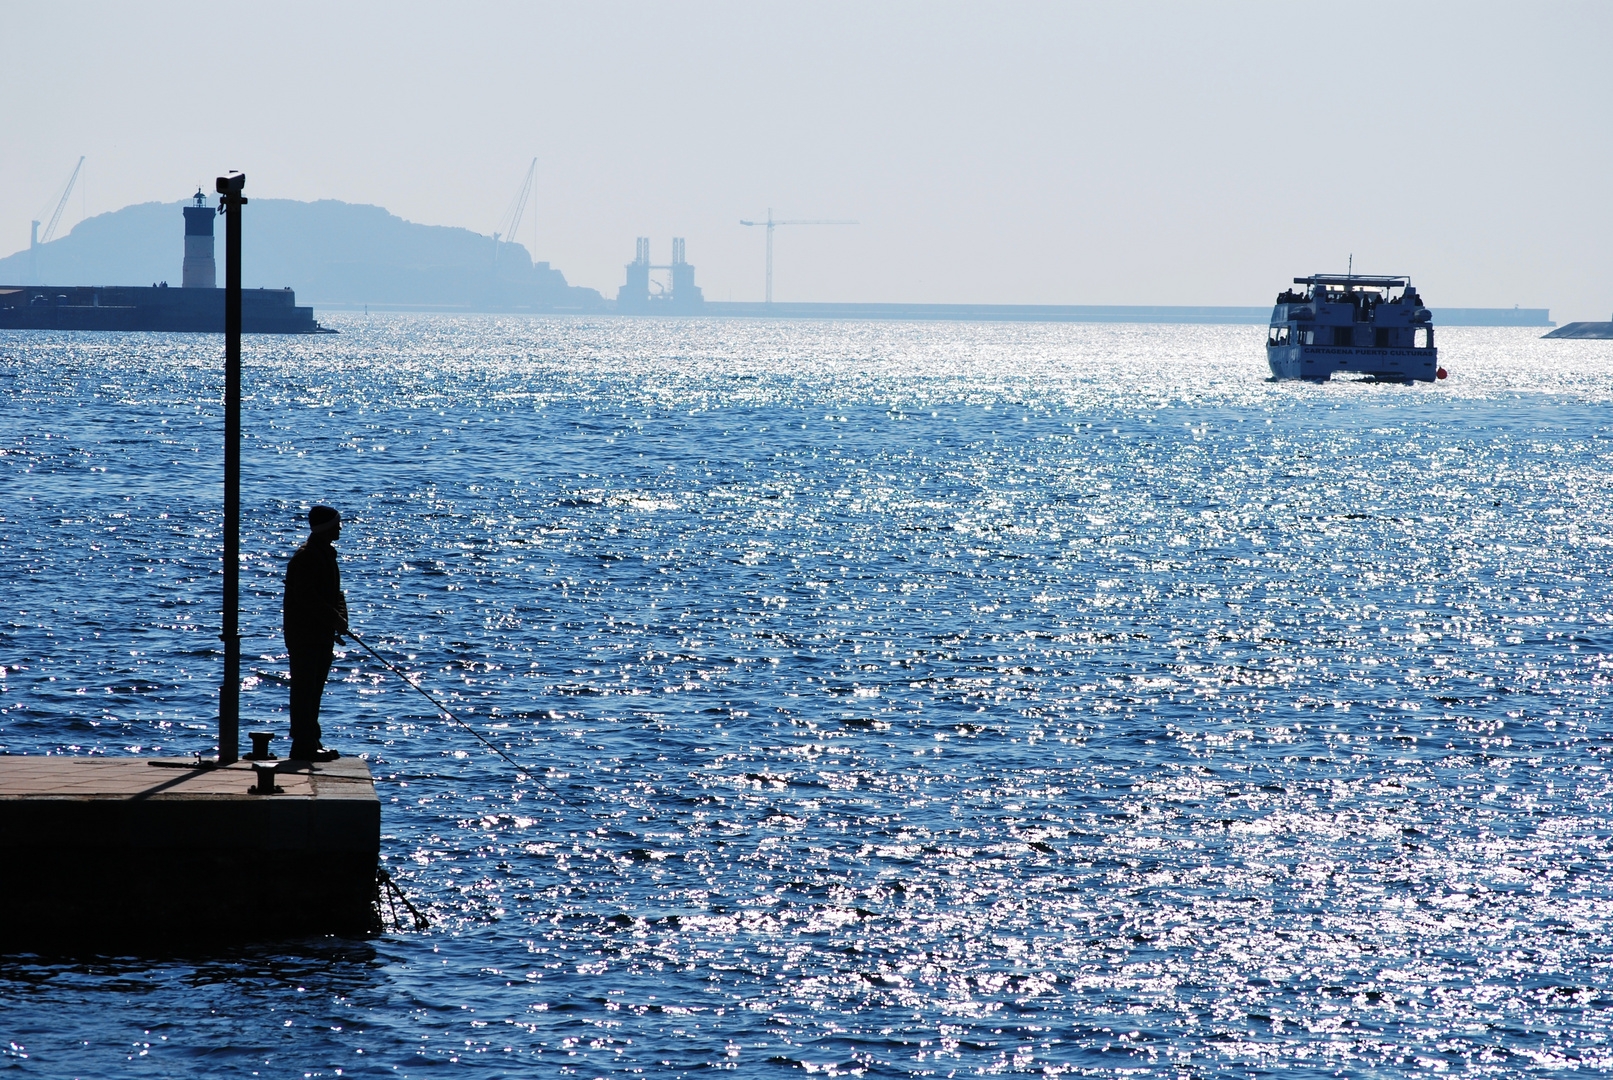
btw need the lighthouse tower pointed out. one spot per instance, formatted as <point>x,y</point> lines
<point>199,272</point>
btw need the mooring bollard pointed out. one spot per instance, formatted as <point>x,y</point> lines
<point>260,746</point>
<point>265,784</point>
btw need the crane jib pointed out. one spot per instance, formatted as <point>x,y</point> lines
<point>61,204</point>
<point>770,223</point>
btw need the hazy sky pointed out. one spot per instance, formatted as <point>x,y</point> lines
<point>1007,153</point>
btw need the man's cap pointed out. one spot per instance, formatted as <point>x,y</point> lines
<point>322,519</point>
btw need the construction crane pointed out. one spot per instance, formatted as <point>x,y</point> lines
<point>34,239</point>
<point>61,204</point>
<point>512,214</point>
<point>771,224</point>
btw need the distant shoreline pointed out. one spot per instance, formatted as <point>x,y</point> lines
<point>1090,313</point>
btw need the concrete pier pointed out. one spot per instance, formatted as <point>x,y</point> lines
<point>135,852</point>
<point>1598,331</point>
<point>155,308</point>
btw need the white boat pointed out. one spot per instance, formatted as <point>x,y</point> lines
<point>1373,326</point>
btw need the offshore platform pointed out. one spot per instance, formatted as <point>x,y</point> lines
<point>644,294</point>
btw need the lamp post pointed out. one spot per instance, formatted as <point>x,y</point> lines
<point>229,699</point>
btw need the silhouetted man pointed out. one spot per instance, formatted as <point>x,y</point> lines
<point>314,618</point>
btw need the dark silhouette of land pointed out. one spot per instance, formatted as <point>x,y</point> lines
<point>343,255</point>
<point>332,253</point>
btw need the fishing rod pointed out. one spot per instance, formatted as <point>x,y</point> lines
<point>519,768</point>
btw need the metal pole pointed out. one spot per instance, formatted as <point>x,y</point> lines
<point>229,698</point>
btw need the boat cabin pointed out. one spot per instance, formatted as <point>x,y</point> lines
<point>1351,322</point>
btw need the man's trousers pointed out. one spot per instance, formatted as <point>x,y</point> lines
<point>309,669</point>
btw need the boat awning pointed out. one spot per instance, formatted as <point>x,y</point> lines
<point>1364,280</point>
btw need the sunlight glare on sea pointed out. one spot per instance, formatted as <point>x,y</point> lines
<point>900,699</point>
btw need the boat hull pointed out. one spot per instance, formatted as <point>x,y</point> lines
<point>1321,362</point>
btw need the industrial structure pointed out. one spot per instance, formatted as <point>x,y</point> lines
<point>645,295</point>
<point>771,225</point>
<point>35,239</point>
<point>511,220</point>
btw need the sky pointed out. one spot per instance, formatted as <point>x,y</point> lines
<point>1056,153</point>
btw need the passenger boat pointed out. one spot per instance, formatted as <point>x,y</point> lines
<point>1375,326</point>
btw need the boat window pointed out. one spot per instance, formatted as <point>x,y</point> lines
<point>1381,336</point>
<point>1278,336</point>
<point>1307,337</point>
<point>1344,335</point>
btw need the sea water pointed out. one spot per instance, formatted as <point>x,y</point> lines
<point>893,699</point>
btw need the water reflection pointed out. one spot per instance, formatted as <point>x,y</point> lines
<point>918,698</point>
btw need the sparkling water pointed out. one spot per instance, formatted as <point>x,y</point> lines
<point>896,699</point>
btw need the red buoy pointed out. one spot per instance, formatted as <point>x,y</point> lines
<point>1440,373</point>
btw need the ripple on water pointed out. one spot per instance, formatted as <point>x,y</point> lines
<point>899,698</point>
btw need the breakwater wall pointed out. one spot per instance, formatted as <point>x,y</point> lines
<point>155,307</point>
<point>1116,313</point>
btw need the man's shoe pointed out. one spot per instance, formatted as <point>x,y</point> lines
<point>323,754</point>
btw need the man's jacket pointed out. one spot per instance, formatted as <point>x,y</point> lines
<point>315,610</point>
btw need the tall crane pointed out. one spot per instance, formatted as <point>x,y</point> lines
<point>34,239</point>
<point>771,224</point>
<point>512,214</point>
<point>55,219</point>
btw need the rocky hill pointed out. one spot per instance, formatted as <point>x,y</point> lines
<point>332,253</point>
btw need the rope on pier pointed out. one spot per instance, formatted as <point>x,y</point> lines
<point>392,892</point>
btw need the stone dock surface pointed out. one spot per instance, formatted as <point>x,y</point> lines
<point>128,853</point>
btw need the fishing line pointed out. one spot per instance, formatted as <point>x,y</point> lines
<point>519,768</point>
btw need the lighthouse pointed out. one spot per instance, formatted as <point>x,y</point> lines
<point>199,271</point>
